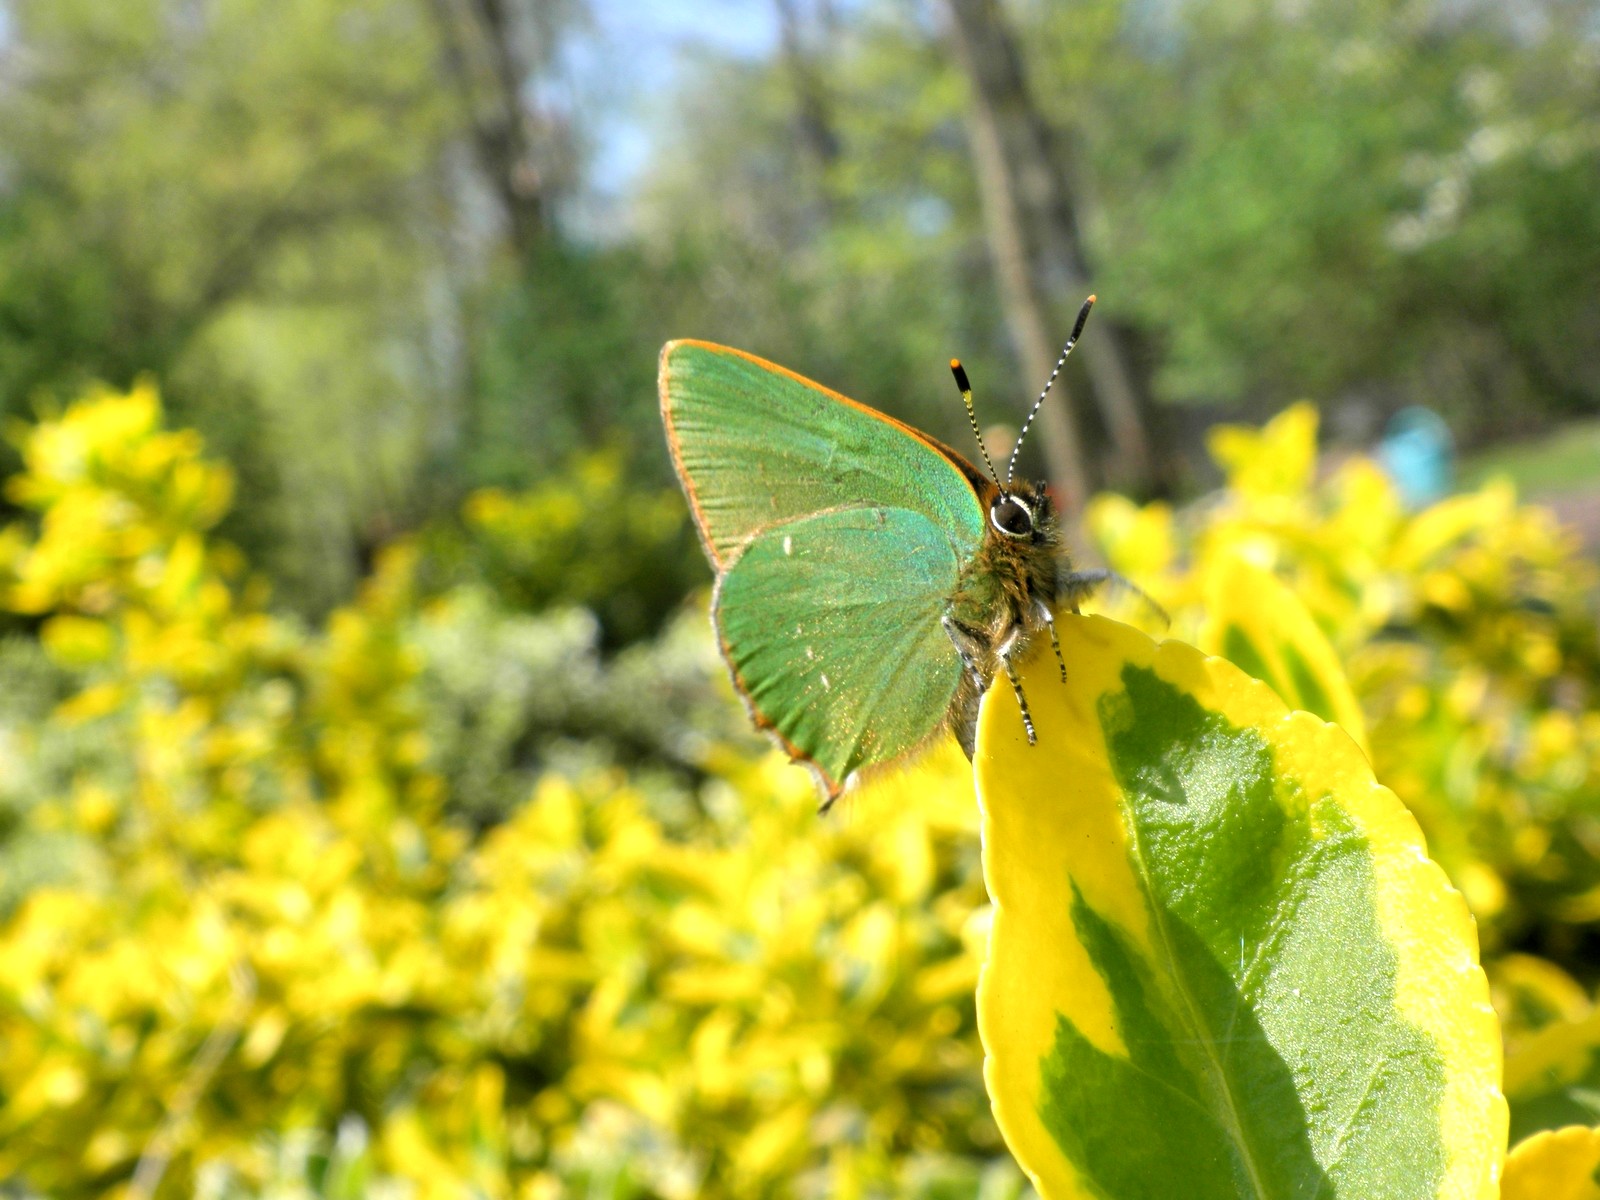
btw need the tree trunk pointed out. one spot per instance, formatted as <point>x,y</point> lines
<point>1034,239</point>
<point>813,110</point>
<point>490,71</point>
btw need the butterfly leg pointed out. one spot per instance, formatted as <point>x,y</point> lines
<point>1049,620</point>
<point>969,645</point>
<point>1022,701</point>
<point>1080,585</point>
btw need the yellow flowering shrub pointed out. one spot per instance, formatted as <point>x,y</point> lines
<point>425,902</point>
<point>589,536</point>
<point>272,954</point>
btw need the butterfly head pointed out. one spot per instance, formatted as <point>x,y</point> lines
<point>1022,513</point>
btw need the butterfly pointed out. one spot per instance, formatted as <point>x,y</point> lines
<point>871,582</point>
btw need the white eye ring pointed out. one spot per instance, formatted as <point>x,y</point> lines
<point>994,517</point>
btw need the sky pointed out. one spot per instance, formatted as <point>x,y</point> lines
<point>633,58</point>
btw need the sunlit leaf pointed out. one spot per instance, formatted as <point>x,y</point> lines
<point>1553,1075</point>
<point>1263,628</point>
<point>1560,1164</point>
<point>1276,460</point>
<point>1222,964</point>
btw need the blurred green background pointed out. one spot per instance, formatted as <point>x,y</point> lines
<point>376,648</point>
<point>382,253</point>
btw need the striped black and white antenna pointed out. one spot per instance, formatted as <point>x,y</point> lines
<point>960,373</point>
<point>1077,329</point>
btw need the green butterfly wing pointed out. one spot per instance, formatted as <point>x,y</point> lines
<point>839,535</point>
<point>832,626</point>
<point>756,445</point>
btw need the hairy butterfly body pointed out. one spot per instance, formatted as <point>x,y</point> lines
<point>871,582</point>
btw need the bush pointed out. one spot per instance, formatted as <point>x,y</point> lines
<point>425,901</point>
<point>326,910</point>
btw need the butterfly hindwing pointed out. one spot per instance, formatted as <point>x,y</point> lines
<point>757,445</point>
<point>832,626</point>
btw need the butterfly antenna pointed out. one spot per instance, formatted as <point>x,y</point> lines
<point>1077,328</point>
<point>960,373</point>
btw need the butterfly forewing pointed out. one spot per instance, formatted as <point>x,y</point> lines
<point>832,626</point>
<point>839,537</point>
<point>757,445</point>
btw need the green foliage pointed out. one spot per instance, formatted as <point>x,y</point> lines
<point>282,211</point>
<point>565,362</point>
<point>240,203</point>
<point>1359,197</point>
<point>585,536</point>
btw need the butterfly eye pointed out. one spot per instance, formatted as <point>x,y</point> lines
<point>1011,517</point>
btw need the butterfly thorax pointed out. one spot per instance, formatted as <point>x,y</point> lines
<point>1005,594</point>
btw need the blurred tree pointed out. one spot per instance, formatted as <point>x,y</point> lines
<point>1378,202</point>
<point>276,209</point>
<point>494,50</point>
<point>244,200</point>
<point>160,157</point>
<point>375,293</point>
